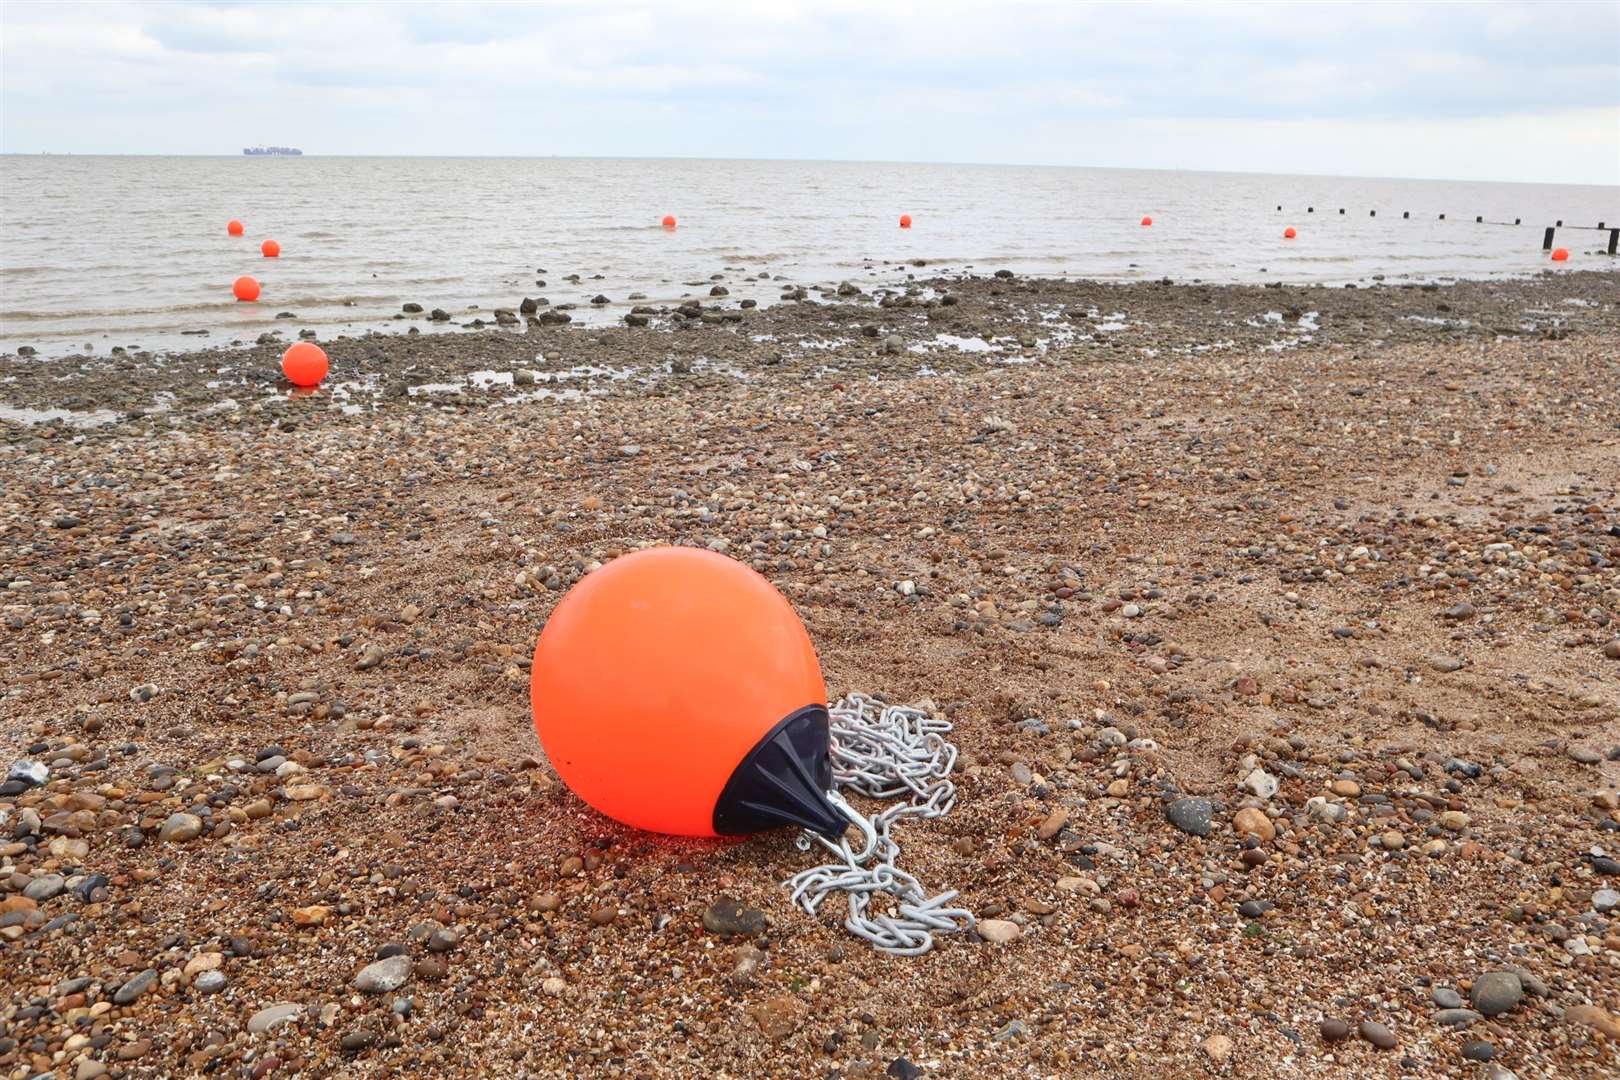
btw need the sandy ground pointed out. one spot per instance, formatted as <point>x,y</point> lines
<point>1140,543</point>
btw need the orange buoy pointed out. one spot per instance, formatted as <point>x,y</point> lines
<point>669,221</point>
<point>676,690</point>
<point>1560,254</point>
<point>233,227</point>
<point>1147,221</point>
<point>270,248</point>
<point>246,288</point>
<point>1288,233</point>
<point>304,363</point>
<point>905,221</point>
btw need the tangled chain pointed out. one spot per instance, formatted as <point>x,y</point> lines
<point>882,751</point>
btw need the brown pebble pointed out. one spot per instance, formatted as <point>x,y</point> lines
<point>1377,1034</point>
<point>1054,822</point>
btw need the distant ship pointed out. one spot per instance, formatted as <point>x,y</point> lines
<point>277,151</point>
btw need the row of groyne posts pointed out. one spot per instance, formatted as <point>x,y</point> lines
<point>1546,236</point>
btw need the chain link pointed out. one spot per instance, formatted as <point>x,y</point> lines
<point>884,751</point>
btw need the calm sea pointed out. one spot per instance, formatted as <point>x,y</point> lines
<point>133,251</point>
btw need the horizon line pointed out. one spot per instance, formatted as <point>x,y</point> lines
<point>800,161</point>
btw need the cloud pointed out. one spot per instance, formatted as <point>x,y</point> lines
<point>1049,81</point>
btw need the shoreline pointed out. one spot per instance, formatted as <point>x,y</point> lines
<point>1342,587</point>
<point>987,321</point>
<point>749,292</point>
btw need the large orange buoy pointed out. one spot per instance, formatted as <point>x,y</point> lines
<point>675,690</point>
<point>1560,254</point>
<point>233,227</point>
<point>304,363</point>
<point>905,221</point>
<point>669,221</point>
<point>246,288</point>
<point>270,248</point>
<point>1288,233</point>
<point>1147,221</point>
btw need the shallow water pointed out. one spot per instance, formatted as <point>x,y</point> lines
<point>133,251</point>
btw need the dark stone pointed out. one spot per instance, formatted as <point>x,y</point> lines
<point>438,315</point>
<point>412,309</point>
<point>1192,815</point>
<point>727,917</point>
<point>356,1041</point>
<point>1334,1030</point>
<point>901,1069</point>
<point>135,987</point>
<point>88,889</point>
<point>1478,1050</point>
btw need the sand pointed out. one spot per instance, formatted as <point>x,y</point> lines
<point>1138,542</point>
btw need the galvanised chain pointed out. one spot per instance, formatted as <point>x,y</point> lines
<point>882,751</point>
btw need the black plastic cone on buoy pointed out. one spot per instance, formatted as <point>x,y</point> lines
<point>676,690</point>
<point>784,780</point>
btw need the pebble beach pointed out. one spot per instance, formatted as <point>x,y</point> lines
<point>1279,627</point>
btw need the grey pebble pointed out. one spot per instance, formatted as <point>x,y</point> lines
<point>384,975</point>
<point>45,887</point>
<point>269,1017</point>
<point>135,987</point>
<point>1457,1018</point>
<point>1191,815</point>
<point>179,828</point>
<point>209,982</point>
<point>1495,992</point>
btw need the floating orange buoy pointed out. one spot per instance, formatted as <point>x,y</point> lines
<point>905,221</point>
<point>233,227</point>
<point>1288,233</point>
<point>1560,254</point>
<point>669,221</point>
<point>270,248</point>
<point>675,690</point>
<point>304,364</point>
<point>246,288</point>
<point>1147,221</point>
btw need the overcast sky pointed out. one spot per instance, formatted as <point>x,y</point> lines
<point>1492,91</point>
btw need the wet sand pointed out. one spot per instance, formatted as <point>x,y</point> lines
<point>1338,570</point>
